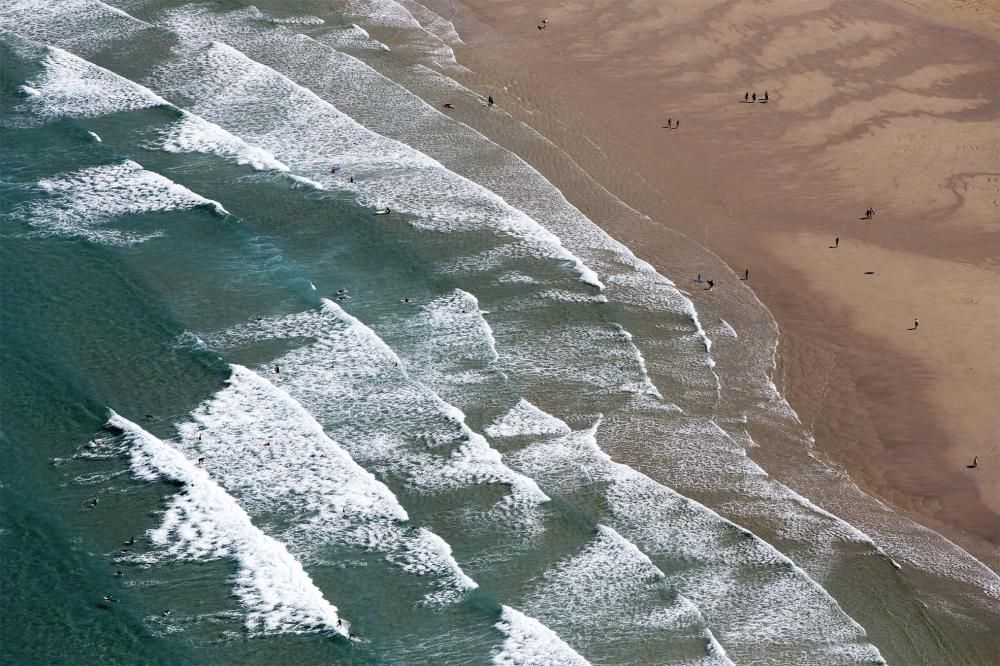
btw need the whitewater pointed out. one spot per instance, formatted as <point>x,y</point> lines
<point>477,429</point>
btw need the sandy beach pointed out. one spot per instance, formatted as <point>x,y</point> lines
<point>886,105</point>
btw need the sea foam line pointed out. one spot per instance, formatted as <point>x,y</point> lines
<point>648,512</point>
<point>267,451</point>
<point>79,201</point>
<point>204,522</point>
<point>391,173</point>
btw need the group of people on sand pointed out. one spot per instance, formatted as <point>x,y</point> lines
<point>870,213</point>
<point>751,97</point>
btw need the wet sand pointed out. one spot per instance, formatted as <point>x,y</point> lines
<point>882,104</point>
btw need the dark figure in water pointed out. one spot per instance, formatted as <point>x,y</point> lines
<point>333,169</point>
<point>975,463</point>
<point>711,285</point>
<point>746,97</point>
<point>92,503</point>
<point>201,461</point>
<point>489,101</point>
<point>766,97</point>
<point>277,370</point>
<point>351,179</point>
<point>118,573</point>
<point>131,541</point>
<point>108,597</point>
<point>754,97</point>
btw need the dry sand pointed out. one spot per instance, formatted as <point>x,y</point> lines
<point>887,104</point>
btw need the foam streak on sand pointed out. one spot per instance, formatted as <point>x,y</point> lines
<point>253,101</point>
<point>77,203</point>
<point>203,522</point>
<point>274,458</point>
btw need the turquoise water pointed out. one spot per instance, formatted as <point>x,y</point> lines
<point>473,429</point>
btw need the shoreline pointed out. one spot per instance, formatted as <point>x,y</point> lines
<point>877,406</point>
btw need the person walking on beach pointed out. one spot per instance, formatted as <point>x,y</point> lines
<point>975,463</point>
<point>754,97</point>
<point>746,274</point>
<point>711,285</point>
<point>489,101</point>
<point>746,97</point>
<point>916,323</point>
<point>766,97</point>
<point>836,242</point>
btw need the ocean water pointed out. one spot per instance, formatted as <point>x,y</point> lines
<point>475,429</point>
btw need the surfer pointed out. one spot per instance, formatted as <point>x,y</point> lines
<point>333,169</point>
<point>108,597</point>
<point>975,463</point>
<point>711,285</point>
<point>383,211</point>
<point>131,541</point>
<point>351,179</point>
<point>201,460</point>
<point>118,573</point>
<point>92,503</point>
<point>267,443</point>
<point>167,612</point>
<point>448,105</point>
<point>277,370</point>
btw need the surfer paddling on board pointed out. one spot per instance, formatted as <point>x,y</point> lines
<point>382,211</point>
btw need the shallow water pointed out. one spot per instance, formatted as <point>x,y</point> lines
<point>476,428</point>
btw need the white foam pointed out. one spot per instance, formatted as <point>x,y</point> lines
<point>204,522</point>
<point>221,81</point>
<point>525,419</point>
<point>298,20</point>
<point>322,495</point>
<point>448,343</point>
<point>389,14</point>
<point>78,202</point>
<point>610,582</point>
<point>78,25</point>
<point>645,385</point>
<point>192,134</point>
<point>531,643</point>
<point>745,588</point>
<point>71,86</point>
<point>368,393</point>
